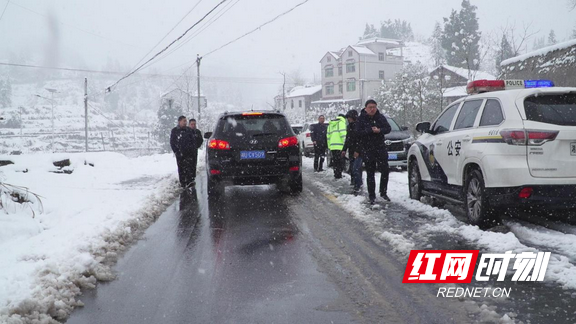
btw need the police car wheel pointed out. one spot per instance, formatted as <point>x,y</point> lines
<point>476,205</point>
<point>415,182</point>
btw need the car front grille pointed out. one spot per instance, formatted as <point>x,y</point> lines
<point>395,146</point>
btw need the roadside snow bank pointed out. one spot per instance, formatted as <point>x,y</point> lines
<point>89,216</point>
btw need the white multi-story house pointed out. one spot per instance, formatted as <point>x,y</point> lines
<point>353,74</point>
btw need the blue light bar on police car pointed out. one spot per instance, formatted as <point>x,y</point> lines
<point>538,84</point>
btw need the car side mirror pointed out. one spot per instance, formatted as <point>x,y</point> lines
<point>207,135</point>
<point>423,127</point>
<point>404,128</point>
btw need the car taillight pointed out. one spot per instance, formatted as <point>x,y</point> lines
<point>527,137</point>
<point>525,193</point>
<point>215,172</point>
<point>219,145</point>
<point>294,168</point>
<point>288,141</point>
<point>307,134</point>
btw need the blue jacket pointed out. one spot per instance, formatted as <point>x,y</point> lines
<point>370,143</point>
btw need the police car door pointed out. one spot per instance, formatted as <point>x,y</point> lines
<point>460,139</point>
<point>434,151</point>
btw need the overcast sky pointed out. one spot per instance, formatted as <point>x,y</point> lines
<point>128,29</point>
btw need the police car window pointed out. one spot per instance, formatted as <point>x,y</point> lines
<point>492,114</point>
<point>557,109</point>
<point>468,114</point>
<point>442,125</point>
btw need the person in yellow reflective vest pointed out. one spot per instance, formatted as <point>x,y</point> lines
<point>336,136</point>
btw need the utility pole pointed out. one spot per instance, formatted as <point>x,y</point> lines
<point>283,92</point>
<point>86,111</point>
<point>198,60</point>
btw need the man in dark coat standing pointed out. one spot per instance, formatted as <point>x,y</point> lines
<point>351,146</point>
<point>183,145</point>
<point>198,140</point>
<point>318,135</point>
<point>371,128</point>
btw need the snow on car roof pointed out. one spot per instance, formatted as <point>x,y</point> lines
<point>540,52</point>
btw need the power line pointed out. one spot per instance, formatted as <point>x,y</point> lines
<point>3,11</point>
<point>204,27</point>
<point>70,25</point>
<point>168,33</point>
<point>166,48</point>
<point>258,28</point>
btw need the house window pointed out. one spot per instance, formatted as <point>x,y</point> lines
<point>351,86</point>
<point>340,88</point>
<point>329,72</point>
<point>340,70</point>
<point>300,103</point>
<point>380,56</point>
<point>381,75</point>
<point>350,67</point>
<point>292,103</point>
<point>349,53</point>
<point>329,89</point>
<point>328,59</point>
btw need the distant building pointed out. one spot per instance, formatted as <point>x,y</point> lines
<point>452,76</point>
<point>556,63</point>
<point>185,101</point>
<point>299,99</point>
<point>353,74</point>
<point>454,81</point>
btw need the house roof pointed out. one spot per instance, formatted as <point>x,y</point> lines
<point>393,43</point>
<point>362,50</point>
<point>540,52</point>
<point>455,92</point>
<point>475,74</point>
<point>302,91</point>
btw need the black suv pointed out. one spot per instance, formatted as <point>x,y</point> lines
<point>253,148</point>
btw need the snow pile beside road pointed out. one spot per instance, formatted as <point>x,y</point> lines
<point>88,217</point>
<point>431,226</point>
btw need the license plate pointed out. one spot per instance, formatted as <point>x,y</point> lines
<point>392,156</point>
<point>573,148</point>
<point>252,155</point>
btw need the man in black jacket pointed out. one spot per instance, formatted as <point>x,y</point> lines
<point>371,128</point>
<point>318,135</point>
<point>183,144</point>
<point>351,146</point>
<point>198,140</point>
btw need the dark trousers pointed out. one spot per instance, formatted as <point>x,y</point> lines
<point>185,174</point>
<point>373,162</point>
<point>337,163</point>
<point>319,155</point>
<point>193,164</point>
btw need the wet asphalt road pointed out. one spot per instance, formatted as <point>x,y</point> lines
<point>258,256</point>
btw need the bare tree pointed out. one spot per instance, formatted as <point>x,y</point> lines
<point>571,4</point>
<point>186,83</point>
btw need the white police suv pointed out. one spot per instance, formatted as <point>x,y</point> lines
<point>511,143</point>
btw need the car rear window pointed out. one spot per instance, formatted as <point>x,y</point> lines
<point>252,125</point>
<point>557,109</point>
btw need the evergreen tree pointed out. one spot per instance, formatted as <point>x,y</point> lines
<point>397,29</point>
<point>167,119</point>
<point>539,43</point>
<point>407,97</point>
<point>461,37</point>
<point>370,32</point>
<point>504,52</point>
<point>438,53</point>
<point>552,38</point>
